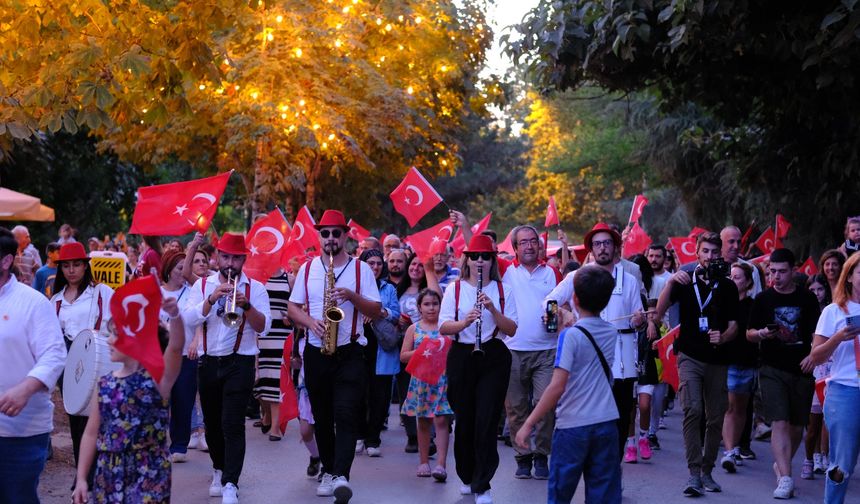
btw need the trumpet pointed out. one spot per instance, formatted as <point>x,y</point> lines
<point>479,321</point>
<point>231,311</point>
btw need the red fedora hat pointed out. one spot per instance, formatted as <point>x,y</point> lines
<point>332,218</point>
<point>602,227</point>
<point>233,244</point>
<point>72,251</point>
<point>480,243</point>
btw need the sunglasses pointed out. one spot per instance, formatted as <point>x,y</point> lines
<point>480,255</point>
<point>335,233</point>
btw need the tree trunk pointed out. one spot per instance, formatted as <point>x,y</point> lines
<point>256,201</point>
<point>311,187</point>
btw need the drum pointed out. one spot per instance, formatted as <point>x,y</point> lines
<point>88,360</point>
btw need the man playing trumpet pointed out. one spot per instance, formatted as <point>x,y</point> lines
<point>233,309</point>
<point>329,298</point>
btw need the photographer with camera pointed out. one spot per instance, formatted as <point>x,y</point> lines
<point>708,303</point>
<point>731,250</point>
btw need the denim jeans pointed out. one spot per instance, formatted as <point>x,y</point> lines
<point>842,417</point>
<point>182,398</point>
<point>21,464</point>
<point>590,449</point>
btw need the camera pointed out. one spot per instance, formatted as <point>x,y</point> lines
<point>717,268</point>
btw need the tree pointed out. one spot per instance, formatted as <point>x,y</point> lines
<point>776,80</point>
<point>287,92</point>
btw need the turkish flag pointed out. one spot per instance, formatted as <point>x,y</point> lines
<point>551,214</point>
<point>782,226</point>
<point>428,362</point>
<point>289,405</point>
<point>266,242</point>
<point>178,208</point>
<point>637,241</point>
<point>809,268</point>
<point>685,249</point>
<point>580,253</point>
<point>459,242</point>
<point>696,231</point>
<point>303,236</point>
<point>760,259</point>
<point>665,349</point>
<point>356,232</point>
<point>135,309</point>
<point>414,197</point>
<point>507,244</point>
<point>422,241</point>
<point>639,203</point>
<point>768,241</point>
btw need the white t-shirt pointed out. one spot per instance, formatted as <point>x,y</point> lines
<point>345,277</point>
<point>587,398</point>
<point>83,312</point>
<point>658,283</point>
<point>530,289</point>
<point>468,299</point>
<point>832,319</point>
<point>183,298</point>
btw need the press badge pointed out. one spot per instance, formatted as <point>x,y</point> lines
<point>703,324</point>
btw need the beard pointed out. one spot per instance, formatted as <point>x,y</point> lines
<point>332,248</point>
<point>603,258</point>
<point>228,272</point>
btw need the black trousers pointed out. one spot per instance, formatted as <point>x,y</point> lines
<point>622,390</point>
<point>377,395</point>
<point>224,384</point>
<point>336,390</point>
<point>476,391</point>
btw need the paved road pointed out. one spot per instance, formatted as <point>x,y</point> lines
<point>275,472</point>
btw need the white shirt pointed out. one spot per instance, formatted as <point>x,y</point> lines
<point>529,289</point>
<point>183,300</point>
<point>32,346</point>
<point>832,319</point>
<point>83,312</point>
<point>468,299</point>
<point>658,283</point>
<point>345,278</point>
<point>220,339</point>
<point>624,301</point>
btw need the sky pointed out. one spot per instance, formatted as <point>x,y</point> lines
<point>501,14</point>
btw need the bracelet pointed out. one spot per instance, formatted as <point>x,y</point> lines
<point>171,317</point>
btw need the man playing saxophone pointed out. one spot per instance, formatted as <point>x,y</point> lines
<point>331,287</point>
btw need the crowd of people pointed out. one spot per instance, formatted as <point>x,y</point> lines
<point>556,357</point>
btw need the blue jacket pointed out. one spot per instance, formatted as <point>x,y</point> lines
<point>388,363</point>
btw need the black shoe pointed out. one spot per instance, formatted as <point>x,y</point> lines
<point>747,454</point>
<point>265,428</point>
<point>411,445</point>
<point>653,442</point>
<point>541,468</point>
<point>433,448</point>
<point>694,487</point>
<point>709,483</point>
<point>314,467</point>
<point>524,469</point>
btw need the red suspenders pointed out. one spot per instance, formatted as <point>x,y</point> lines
<point>353,335</point>
<point>241,326</point>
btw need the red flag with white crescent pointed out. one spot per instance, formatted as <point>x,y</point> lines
<point>685,249</point>
<point>666,351</point>
<point>768,241</point>
<point>639,203</point>
<point>696,231</point>
<point>356,231</point>
<point>266,242</point>
<point>414,197</point>
<point>303,237</point>
<point>135,309</point>
<point>422,241</point>
<point>809,268</point>
<point>637,241</point>
<point>459,242</point>
<point>289,405</point>
<point>178,208</point>
<point>551,214</point>
<point>782,226</point>
<point>429,360</point>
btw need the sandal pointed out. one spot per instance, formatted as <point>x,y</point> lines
<point>273,437</point>
<point>258,424</point>
<point>423,471</point>
<point>440,474</point>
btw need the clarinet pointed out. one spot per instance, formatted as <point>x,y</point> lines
<point>478,350</point>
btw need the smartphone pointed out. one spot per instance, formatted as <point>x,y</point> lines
<point>551,323</point>
<point>853,320</point>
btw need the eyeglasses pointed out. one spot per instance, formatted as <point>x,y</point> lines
<point>602,244</point>
<point>335,233</point>
<point>474,256</point>
<point>524,243</point>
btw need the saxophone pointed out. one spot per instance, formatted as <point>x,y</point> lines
<point>331,313</point>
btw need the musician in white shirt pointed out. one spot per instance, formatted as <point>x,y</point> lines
<point>227,358</point>
<point>31,362</point>
<point>478,373</point>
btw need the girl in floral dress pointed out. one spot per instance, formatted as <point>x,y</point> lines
<point>126,434</point>
<point>429,403</point>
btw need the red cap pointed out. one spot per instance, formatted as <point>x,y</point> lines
<point>332,218</point>
<point>72,251</point>
<point>233,244</point>
<point>480,243</point>
<point>602,227</point>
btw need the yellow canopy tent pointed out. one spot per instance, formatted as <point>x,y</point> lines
<point>15,206</point>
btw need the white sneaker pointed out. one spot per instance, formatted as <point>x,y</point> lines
<point>326,487</point>
<point>194,442</point>
<point>785,488</point>
<point>230,494</point>
<point>359,446</point>
<point>484,498</point>
<point>178,458</point>
<point>342,490</point>
<point>465,489</point>
<point>202,443</point>
<point>373,451</point>
<point>215,487</point>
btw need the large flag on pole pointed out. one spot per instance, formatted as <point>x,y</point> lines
<point>551,214</point>
<point>178,208</point>
<point>266,242</point>
<point>414,197</point>
<point>459,241</point>
<point>422,241</point>
<point>639,203</point>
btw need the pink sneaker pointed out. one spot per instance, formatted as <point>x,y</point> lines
<point>644,448</point>
<point>630,455</point>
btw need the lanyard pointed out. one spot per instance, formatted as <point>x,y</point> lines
<point>337,277</point>
<point>702,306</point>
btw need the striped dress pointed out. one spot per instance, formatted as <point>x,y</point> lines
<point>272,344</point>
